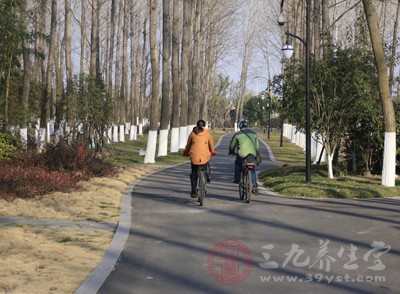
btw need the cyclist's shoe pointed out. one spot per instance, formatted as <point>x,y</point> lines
<point>208,179</point>
<point>254,190</point>
<point>193,194</point>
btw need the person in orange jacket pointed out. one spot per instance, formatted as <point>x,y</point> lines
<point>200,148</point>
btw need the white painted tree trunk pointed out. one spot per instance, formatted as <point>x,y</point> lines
<point>236,127</point>
<point>174,140</point>
<point>133,134</point>
<point>140,129</point>
<point>163,143</point>
<point>330,165</point>
<point>389,160</point>
<point>189,130</point>
<point>151,147</point>
<point>24,137</point>
<point>122,133</point>
<point>182,137</point>
<point>42,139</point>
<point>50,130</point>
<point>109,134</point>
<point>127,128</point>
<point>115,133</point>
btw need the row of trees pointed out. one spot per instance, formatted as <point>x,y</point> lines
<point>141,59</point>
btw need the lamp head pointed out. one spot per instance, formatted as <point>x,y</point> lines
<point>287,50</point>
<point>281,19</point>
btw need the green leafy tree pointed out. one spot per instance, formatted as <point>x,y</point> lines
<point>339,82</point>
<point>90,108</point>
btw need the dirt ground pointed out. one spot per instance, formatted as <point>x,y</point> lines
<point>37,258</point>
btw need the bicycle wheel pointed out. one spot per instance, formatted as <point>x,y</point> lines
<point>201,187</point>
<point>242,186</point>
<point>248,186</point>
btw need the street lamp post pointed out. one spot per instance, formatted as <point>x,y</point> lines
<point>286,50</point>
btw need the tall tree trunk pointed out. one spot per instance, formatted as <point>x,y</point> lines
<point>59,111</point>
<point>175,78</point>
<point>166,77</point>
<point>111,54</point>
<point>83,39</point>
<point>68,57</point>
<point>248,47</point>
<point>143,75</point>
<point>117,92</point>
<point>394,47</point>
<point>124,77</point>
<point>39,70</point>
<point>389,156</point>
<point>47,95</point>
<point>326,33</point>
<point>194,109</point>
<point>155,84</point>
<point>94,40</point>
<point>27,76</point>
<point>317,28</point>
<point>134,92</point>
<point>185,55</point>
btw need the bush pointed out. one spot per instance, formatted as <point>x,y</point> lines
<point>7,146</point>
<point>59,168</point>
<point>22,181</point>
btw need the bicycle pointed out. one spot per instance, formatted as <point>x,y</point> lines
<point>201,190</point>
<point>245,184</point>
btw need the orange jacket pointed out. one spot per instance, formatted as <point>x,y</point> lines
<point>200,147</point>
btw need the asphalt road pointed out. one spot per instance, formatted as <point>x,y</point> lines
<point>275,244</point>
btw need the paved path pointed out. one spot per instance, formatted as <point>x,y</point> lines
<point>275,244</point>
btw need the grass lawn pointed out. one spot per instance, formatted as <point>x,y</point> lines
<point>290,180</point>
<point>125,153</point>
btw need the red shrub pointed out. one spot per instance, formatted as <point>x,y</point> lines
<point>19,181</point>
<point>58,168</point>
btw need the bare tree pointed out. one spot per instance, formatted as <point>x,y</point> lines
<point>124,75</point>
<point>155,84</point>
<point>143,71</point>
<point>94,68</point>
<point>83,38</point>
<point>389,156</point>
<point>47,95</point>
<point>166,80</point>
<point>175,77</point>
<point>40,15</point>
<point>68,46</point>
<point>248,47</point>
<point>117,76</point>
<point>185,55</point>
<point>135,70</point>
<point>26,77</point>
<point>394,46</point>
<point>195,68</point>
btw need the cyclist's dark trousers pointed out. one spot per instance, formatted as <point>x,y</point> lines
<point>238,169</point>
<point>193,175</point>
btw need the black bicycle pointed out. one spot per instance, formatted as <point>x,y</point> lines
<point>201,189</point>
<point>245,184</point>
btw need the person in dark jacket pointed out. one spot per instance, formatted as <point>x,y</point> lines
<point>243,143</point>
<point>200,147</point>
